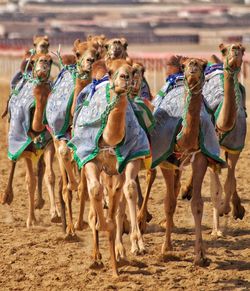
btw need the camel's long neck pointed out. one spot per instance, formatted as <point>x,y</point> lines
<point>227,116</point>
<point>114,131</point>
<point>189,137</point>
<point>41,93</point>
<point>80,84</point>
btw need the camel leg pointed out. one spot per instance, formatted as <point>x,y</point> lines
<point>39,202</point>
<point>62,204</point>
<point>142,216</point>
<point>230,188</point>
<point>186,191</point>
<point>97,263</point>
<point>199,167</point>
<point>50,182</point>
<point>218,205</point>
<point>120,216</point>
<point>130,192</point>
<point>169,205</point>
<point>114,200</point>
<point>7,196</point>
<point>140,199</point>
<point>82,193</point>
<point>31,184</point>
<point>95,190</point>
<point>65,155</point>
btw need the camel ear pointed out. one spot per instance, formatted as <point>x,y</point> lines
<point>76,42</point>
<point>183,62</point>
<point>102,36</point>
<point>129,61</point>
<point>46,38</point>
<point>124,42</point>
<point>223,49</point>
<point>89,38</point>
<point>204,63</point>
<point>242,48</point>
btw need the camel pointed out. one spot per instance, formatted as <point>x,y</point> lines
<point>37,88</point>
<point>76,78</point>
<point>187,145</point>
<point>41,46</point>
<point>231,126</point>
<point>108,155</point>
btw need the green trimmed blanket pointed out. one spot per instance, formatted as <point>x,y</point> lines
<point>90,123</point>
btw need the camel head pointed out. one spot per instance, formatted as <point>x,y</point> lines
<point>41,64</point>
<point>232,55</point>
<point>194,70</point>
<point>138,74</point>
<point>85,56</point>
<point>98,42</point>
<point>116,48</point>
<point>120,75</point>
<point>41,44</point>
<point>173,65</point>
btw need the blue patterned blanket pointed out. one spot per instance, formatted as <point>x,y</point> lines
<point>89,126</point>
<point>59,104</point>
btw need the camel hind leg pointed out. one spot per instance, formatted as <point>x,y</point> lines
<point>39,202</point>
<point>7,196</point>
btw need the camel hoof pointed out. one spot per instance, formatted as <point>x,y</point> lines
<point>31,222</point>
<point>186,193</point>
<point>81,225</point>
<point>216,234</point>
<point>115,274</point>
<point>39,203</point>
<point>166,248</point>
<point>55,218</point>
<point>71,237</point>
<point>202,262</point>
<point>135,252</point>
<point>96,265</point>
<point>239,212</point>
<point>120,252</point>
<point>7,197</point>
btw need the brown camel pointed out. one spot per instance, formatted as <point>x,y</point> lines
<point>227,121</point>
<point>41,46</point>
<point>41,90</point>
<point>85,56</point>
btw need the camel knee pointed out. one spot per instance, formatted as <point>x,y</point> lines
<point>63,151</point>
<point>197,206</point>
<point>95,190</point>
<point>31,182</point>
<point>130,189</point>
<point>50,176</point>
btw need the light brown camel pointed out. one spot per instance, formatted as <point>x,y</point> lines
<point>116,48</point>
<point>187,145</point>
<point>41,46</point>
<point>120,72</point>
<point>41,90</point>
<point>232,58</point>
<point>85,56</point>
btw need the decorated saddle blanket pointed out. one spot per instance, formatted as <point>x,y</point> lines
<point>213,92</point>
<point>89,126</point>
<point>59,104</point>
<point>20,110</point>
<point>169,109</point>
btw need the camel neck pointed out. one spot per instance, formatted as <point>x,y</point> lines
<point>41,93</point>
<point>114,130</point>
<point>189,137</point>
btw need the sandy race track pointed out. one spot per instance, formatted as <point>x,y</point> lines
<point>40,259</point>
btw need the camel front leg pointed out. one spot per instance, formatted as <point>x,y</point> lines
<point>50,182</point>
<point>130,192</point>
<point>218,204</point>
<point>230,188</point>
<point>39,202</point>
<point>114,199</point>
<point>169,205</point>
<point>82,193</point>
<point>64,152</point>
<point>95,190</point>
<point>31,185</point>
<point>7,196</point>
<point>143,213</point>
<point>199,167</point>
